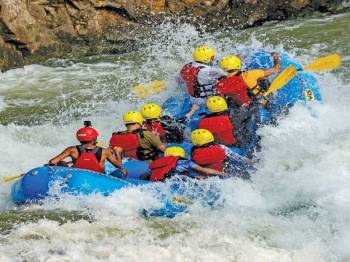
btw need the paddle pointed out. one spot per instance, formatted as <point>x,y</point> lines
<point>6,179</point>
<point>142,91</point>
<point>324,63</point>
<point>281,80</point>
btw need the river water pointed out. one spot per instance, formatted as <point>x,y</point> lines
<point>297,207</point>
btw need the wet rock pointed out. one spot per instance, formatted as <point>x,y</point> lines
<point>33,31</point>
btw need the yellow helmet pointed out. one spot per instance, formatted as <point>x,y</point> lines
<point>230,62</point>
<point>132,117</point>
<point>216,104</point>
<point>200,137</point>
<point>203,54</point>
<point>175,151</point>
<point>151,111</point>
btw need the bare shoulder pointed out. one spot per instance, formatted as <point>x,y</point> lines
<point>70,149</point>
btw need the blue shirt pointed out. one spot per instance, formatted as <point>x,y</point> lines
<point>184,165</point>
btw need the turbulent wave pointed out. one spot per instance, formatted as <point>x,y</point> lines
<point>295,209</point>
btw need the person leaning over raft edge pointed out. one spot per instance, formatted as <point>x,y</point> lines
<point>207,153</point>
<point>174,162</point>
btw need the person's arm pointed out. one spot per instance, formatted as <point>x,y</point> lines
<point>116,162</point>
<point>118,151</point>
<point>161,148</point>
<point>208,171</point>
<point>194,108</point>
<point>66,153</point>
<point>154,141</point>
<point>234,156</point>
<point>277,65</point>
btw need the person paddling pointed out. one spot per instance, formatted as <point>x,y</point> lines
<point>135,142</point>
<point>167,128</point>
<point>242,87</point>
<point>87,155</point>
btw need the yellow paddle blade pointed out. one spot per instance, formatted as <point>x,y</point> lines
<point>100,144</point>
<point>282,79</point>
<point>158,85</point>
<point>141,91</point>
<point>9,178</point>
<point>325,63</point>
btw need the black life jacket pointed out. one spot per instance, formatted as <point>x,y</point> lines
<point>189,74</point>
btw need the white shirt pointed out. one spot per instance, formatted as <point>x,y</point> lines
<point>208,75</point>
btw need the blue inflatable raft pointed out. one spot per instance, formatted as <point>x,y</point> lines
<point>35,184</point>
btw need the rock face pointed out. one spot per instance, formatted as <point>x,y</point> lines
<point>35,30</point>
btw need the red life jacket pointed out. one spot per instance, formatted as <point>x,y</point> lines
<point>161,167</point>
<point>235,88</point>
<point>129,142</point>
<point>221,127</point>
<point>89,159</point>
<point>211,156</point>
<point>156,128</point>
<point>189,73</point>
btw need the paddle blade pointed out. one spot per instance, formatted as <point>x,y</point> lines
<point>325,63</point>
<point>100,144</point>
<point>141,91</point>
<point>158,85</point>
<point>282,79</point>
<point>9,178</point>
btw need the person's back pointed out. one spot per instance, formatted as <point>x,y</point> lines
<point>199,76</point>
<point>135,142</point>
<point>234,88</point>
<point>207,153</point>
<point>219,122</point>
<point>90,158</point>
<point>204,152</point>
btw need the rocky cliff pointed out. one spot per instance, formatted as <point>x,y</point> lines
<point>33,30</point>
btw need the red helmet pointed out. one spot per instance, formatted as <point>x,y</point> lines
<point>86,134</point>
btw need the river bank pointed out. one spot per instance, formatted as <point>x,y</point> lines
<point>34,31</point>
